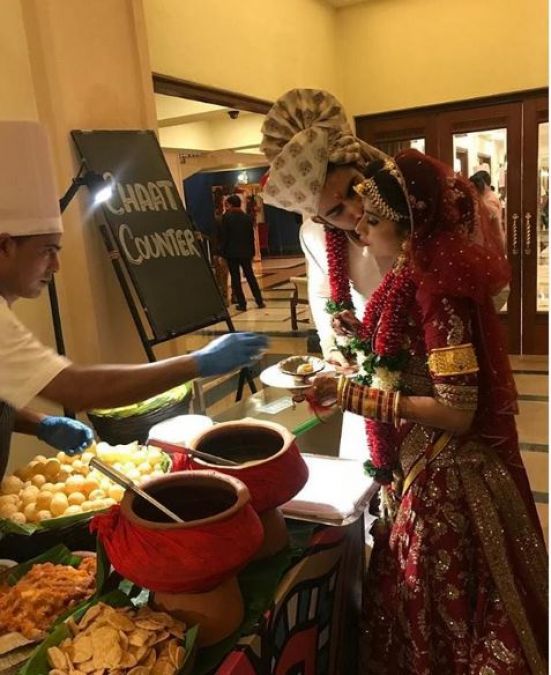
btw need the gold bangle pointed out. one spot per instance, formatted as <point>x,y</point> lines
<point>344,392</point>
<point>396,409</point>
<point>340,388</point>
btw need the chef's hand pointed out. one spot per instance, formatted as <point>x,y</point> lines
<point>346,323</point>
<point>342,364</point>
<point>66,434</point>
<point>230,352</point>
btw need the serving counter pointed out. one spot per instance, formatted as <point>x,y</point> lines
<point>302,605</point>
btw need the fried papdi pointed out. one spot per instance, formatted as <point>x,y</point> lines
<point>120,641</point>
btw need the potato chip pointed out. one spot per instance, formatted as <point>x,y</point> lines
<point>140,637</point>
<point>160,637</point>
<point>113,656</point>
<point>149,624</point>
<point>163,667</point>
<point>120,621</point>
<point>123,640</point>
<point>90,615</point>
<point>150,659</point>
<point>138,652</point>
<point>139,670</point>
<point>57,658</point>
<point>82,649</point>
<point>176,654</point>
<point>87,667</point>
<point>177,629</point>
<point>72,626</point>
<point>106,648</point>
<point>128,660</point>
<point>160,617</point>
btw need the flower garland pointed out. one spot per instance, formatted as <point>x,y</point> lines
<point>379,348</point>
<point>336,243</point>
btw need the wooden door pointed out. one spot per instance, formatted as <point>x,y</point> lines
<point>535,227</point>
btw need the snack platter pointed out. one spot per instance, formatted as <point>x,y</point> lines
<point>55,618</point>
<point>58,491</point>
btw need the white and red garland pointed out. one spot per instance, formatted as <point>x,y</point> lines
<point>380,349</point>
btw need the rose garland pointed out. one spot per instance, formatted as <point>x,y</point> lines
<point>379,348</point>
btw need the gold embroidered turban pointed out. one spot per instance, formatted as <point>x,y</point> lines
<point>304,131</point>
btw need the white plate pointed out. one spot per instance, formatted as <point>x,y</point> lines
<point>317,365</point>
<point>274,377</point>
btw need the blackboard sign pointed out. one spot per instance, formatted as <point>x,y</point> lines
<point>152,232</point>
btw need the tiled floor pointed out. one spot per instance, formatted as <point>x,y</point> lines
<point>531,372</point>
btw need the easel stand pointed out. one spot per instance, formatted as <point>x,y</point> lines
<point>148,343</point>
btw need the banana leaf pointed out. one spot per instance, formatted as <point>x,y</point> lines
<point>143,407</point>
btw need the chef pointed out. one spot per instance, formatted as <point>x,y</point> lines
<point>30,241</point>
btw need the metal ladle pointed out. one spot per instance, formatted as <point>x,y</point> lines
<point>128,484</point>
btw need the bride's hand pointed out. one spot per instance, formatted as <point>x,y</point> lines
<point>323,391</point>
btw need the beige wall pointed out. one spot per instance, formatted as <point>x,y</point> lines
<point>214,134</point>
<point>396,54</point>
<point>252,47</point>
<point>16,87</point>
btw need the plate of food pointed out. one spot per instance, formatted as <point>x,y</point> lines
<point>301,367</point>
<point>294,373</point>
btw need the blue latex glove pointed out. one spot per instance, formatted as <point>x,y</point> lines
<point>230,352</point>
<point>66,434</point>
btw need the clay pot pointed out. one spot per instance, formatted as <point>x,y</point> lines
<point>219,506</point>
<point>271,466</point>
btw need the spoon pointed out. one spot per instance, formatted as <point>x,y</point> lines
<point>129,484</point>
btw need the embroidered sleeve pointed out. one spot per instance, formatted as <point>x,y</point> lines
<point>451,357</point>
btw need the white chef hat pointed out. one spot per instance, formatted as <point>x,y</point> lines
<point>28,195</point>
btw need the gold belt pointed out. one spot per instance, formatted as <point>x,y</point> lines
<point>426,458</point>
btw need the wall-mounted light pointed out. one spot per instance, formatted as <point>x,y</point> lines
<point>243,177</point>
<point>100,188</point>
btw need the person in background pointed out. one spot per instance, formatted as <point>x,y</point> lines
<point>483,184</point>
<point>30,241</point>
<point>490,203</point>
<point>221,272</point>
<point>237,247</point>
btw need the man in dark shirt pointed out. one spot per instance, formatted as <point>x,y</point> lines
<point>237,247</point>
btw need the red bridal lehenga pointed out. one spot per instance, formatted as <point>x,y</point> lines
<point>457,583</point>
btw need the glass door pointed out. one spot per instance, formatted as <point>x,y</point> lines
<point>485,143</point>
<point>535,227</point>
